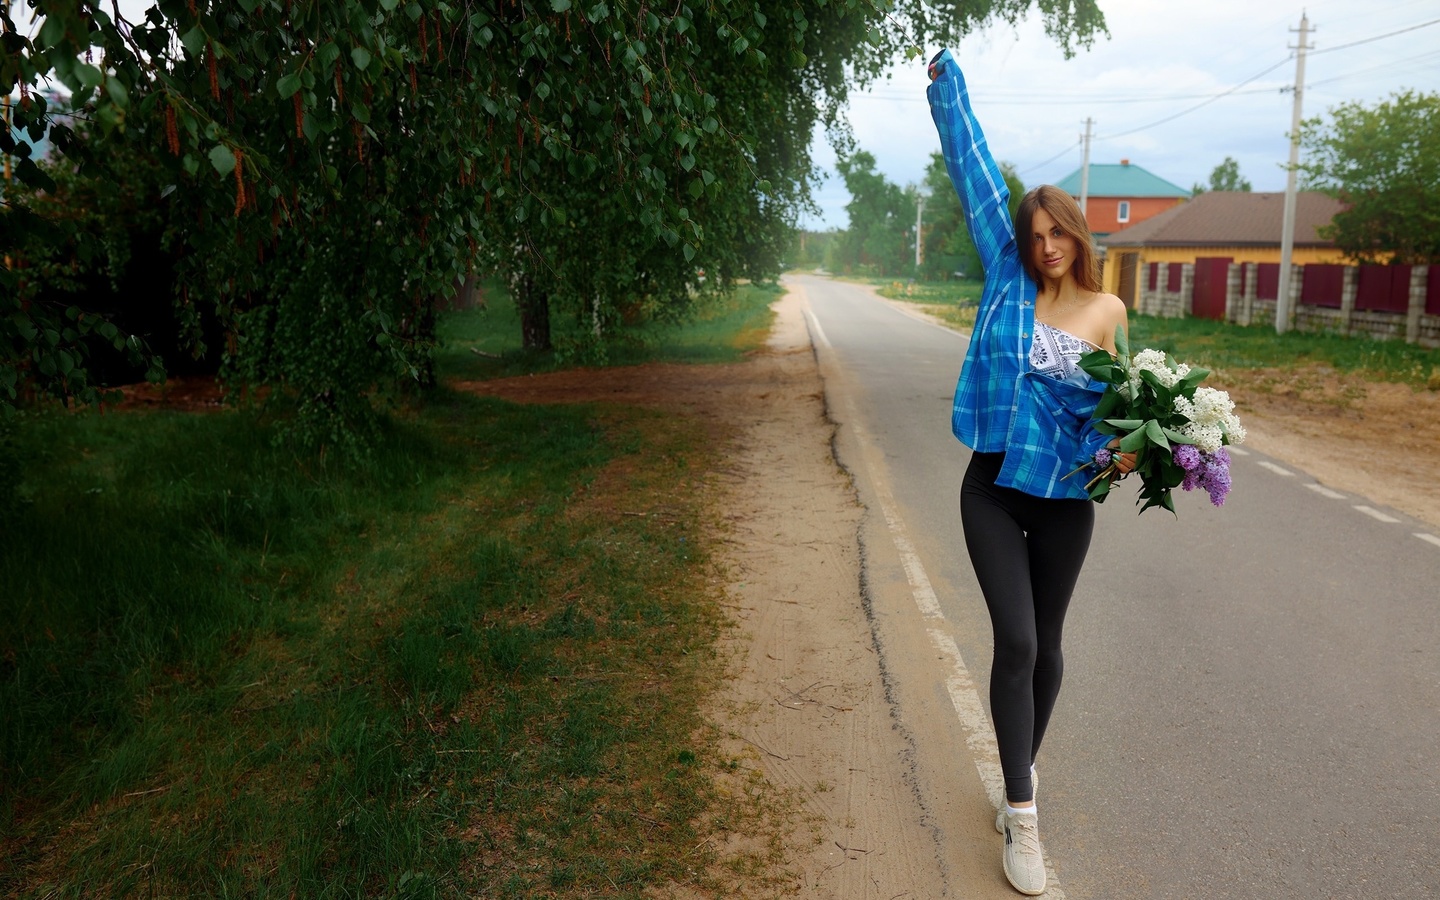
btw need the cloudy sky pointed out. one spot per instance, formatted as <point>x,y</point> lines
<point>1162,58</point>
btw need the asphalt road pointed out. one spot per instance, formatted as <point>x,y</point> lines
<point>1252,696</point>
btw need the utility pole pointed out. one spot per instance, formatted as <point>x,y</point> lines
<point>919,220</point>
<point>1287,235</point>
<point>1085,167</point>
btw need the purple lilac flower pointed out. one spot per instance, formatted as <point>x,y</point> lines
<point>1192,478</point>
<point>1102,457</point>
<point>1186,456</point>
<point>1211,472</point>
<point>1217,476</point>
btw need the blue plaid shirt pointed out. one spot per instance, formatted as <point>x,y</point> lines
<point>1042,424</point>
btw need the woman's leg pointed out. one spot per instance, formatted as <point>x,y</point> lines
<point>999,554</point>
<point>1058,541</point>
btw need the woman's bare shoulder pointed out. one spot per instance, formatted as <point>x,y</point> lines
<point>1109,313</point>
<point>1110,302</point>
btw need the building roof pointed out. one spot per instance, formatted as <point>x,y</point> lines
<point>1122,180</point>
<point>1232,219</point>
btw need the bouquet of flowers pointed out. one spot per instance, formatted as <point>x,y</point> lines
<point>1177,429</point>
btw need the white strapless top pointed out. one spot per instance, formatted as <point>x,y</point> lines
<point>1057,353</point>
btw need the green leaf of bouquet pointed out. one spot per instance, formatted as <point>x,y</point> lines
<point>1191,381</point>
<point>1100,366</point>
<point>1162,500</point>
<point>1127,424</point>
<point>1153,380</point>
<point>1156,434</point>
<point>1133,441</point>
<point>1175,436</point>
<point>1110,401</point>
<point>1122,343</point>
<point>1100,490</point>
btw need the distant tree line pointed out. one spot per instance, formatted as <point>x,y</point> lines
<point>880,237</point>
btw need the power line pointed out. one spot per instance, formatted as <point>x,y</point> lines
<point>1050,160</point>
<point>1389,65</point>
<point>1198,105</point>
<point>1377,37</point>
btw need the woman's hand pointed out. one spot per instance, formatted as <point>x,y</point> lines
<point>1124,462</point>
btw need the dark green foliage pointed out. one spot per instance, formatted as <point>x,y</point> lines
<point>337,167</point>
<point>1383,163</point>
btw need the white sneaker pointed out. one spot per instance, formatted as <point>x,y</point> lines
<point>1024,860</point>
<point>1035,792</point>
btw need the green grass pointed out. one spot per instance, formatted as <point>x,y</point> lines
<point>963,292</point>
<point>469,667</point>
<point>722,329</point>
<point>1226,347</point>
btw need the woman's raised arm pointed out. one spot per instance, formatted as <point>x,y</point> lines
<point>973,171</point>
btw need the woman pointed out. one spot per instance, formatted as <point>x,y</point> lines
<point>1023,406</point>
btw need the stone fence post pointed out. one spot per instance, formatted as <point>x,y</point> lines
<point>1293,283</point>
<point>1349,287</point>
<point>1419,276</point>
<point>1232,293</point>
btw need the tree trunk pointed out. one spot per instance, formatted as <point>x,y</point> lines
<point>534,305</point>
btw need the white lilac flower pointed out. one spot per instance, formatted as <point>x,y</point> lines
<point>1208,438</point>
<point>1157,362</point>
<point>1212,407</point>
<point>1184,407</point>
<point>1234,431</point>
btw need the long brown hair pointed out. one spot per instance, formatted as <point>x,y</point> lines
<point>1066,213</point>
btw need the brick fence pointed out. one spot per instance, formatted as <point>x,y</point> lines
<point>1380,301</point>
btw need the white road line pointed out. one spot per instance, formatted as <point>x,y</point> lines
<point>1376,514</point>
<point>966,699</point>
<point>1323,491</point>
<point>1428,538</point>
<point>817,330</point>
<point>1236,451</point>
<point>1266,464</point>
<point>920,587</point>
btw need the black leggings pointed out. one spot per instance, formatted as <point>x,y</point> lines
<point>1027,552</point>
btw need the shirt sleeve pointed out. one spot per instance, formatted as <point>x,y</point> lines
<point>973,171</point>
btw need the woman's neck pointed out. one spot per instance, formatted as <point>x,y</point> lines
<point>1062,287</point>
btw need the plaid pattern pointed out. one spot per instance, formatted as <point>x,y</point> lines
<point>1040,423</point>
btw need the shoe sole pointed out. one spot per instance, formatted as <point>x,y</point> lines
<point>1022,890</point>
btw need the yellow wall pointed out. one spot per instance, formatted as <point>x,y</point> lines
<point>1301,256</point>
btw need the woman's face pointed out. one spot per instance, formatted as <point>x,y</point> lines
<point>1053,249</point>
